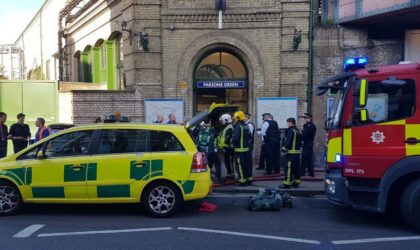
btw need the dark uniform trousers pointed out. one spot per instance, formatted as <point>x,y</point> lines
<point>263,156</point>
<point>292,170</point>
<point>249,160</point>
<point>306,162</point>
<point>229,161</point>
<point>245,174</point>
<point>273,155</point>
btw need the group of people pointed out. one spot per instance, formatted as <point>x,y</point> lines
<point>234,144</point>
<point>297,146</point>
<point>19,133</point>
<point>171,119</point>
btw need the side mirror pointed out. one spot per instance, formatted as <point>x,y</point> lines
<point>40,155</point>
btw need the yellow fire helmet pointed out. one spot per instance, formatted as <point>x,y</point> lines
<point>239,115</point>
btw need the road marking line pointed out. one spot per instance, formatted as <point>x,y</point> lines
<point>358,241</point>
<point>107,231</point>
<point>271,237</point>
<point>28,231</point>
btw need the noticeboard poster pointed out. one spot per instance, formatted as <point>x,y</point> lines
<point>164,107</point>
<point>280,107</point>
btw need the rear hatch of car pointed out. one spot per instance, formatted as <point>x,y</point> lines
<point>213,112</point>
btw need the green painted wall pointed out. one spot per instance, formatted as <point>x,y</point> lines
<point>33,98</point>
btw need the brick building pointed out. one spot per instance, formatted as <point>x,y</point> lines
<point>176,49</point>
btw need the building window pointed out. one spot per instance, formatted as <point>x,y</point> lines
<point>220,65</point>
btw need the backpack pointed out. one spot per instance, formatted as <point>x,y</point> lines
<point>269,200</point>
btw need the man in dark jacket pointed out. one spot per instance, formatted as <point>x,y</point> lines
<point>271,138</point>
<point>291,147</point>
<point>240,142</point>
<point>20,133</point>
<point>3,135</point>
<point>308,136</point>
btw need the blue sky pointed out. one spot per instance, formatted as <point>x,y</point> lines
<point>15,15</point>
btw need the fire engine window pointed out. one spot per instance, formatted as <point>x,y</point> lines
<point>389,103</point>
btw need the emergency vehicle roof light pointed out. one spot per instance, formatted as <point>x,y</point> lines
<point>357,62</point>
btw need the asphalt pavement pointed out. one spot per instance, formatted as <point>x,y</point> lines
<point>312,223</point>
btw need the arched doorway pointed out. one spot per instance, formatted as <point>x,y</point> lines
<point>220,77</point>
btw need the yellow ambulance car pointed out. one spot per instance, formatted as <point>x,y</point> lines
<point>155,165</point>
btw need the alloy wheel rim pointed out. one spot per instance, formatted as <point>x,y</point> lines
<point>9,199</point>
<point>162,199</point>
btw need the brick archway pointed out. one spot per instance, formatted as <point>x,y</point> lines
<point>225,40</point>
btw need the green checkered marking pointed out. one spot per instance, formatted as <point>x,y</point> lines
<point>113,191</point>
<point>70,175</point>
<point>148,170</point>
<point>92,171</point>
<point>187,186</point>
<point>48,192</point>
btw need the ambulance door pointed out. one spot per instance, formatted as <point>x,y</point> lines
<point>58,168</point>
<point>122,161</point>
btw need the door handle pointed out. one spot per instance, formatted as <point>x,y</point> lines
<point>412,141</point>
<point>140,164</point>
<point>77,167</point>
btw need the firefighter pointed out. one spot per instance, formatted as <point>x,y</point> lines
<point>291,147</point>
<point>308,135</point>
<point>224,143</point>
<point>240,141</point>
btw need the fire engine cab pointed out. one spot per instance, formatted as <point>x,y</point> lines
<point>373,139</point>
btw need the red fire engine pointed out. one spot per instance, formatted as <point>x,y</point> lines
<point>373,146</point>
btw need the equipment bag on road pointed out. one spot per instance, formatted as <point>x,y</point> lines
<point>269,200</point>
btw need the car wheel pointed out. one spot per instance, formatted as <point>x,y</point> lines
<point>161,199</point>
<point>10,199</point>
<point>410,205</point>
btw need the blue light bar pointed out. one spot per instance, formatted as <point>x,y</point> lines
<point>355,63</point>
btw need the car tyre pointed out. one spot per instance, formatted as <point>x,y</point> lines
<point>410,205</point>
<point>10,198</point>
<point>161,199</point>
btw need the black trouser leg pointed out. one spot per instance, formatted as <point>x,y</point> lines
<point>263,156</point>
<point>3,152</point>
<point>307,163</point>
<point>270,157</point>
<point>229,162</point>
<point>248,165</point>
<point>296,168</point>
<point>214,160</point>
<point>240,166</point>
<point>276,154</point>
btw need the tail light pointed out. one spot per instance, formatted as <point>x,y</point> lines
<point>199,163</point>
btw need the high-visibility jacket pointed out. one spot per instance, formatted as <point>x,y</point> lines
<point>225,137</point>
<point>241,136</point>
<point>293,141</point>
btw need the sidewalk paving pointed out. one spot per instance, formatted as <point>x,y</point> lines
<point>309,185</point>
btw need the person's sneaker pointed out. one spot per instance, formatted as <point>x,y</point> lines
<point>249,183</point>
<point>284,186</point>
<point>242,184</point>
<point>295,185</point>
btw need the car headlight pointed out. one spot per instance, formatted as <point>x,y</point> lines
<point>330,184</point>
